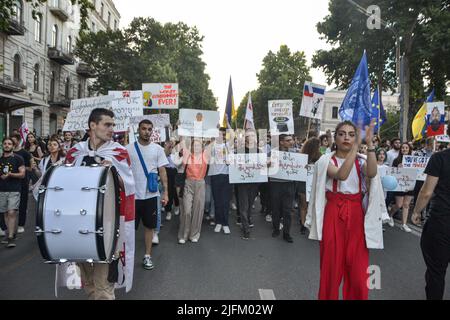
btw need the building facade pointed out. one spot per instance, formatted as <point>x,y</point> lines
<point>40,75</point>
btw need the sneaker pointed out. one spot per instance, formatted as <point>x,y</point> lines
<point>207,216</point>
<point>246,235</point>
<point>233,206</point>
<point>11,243</point>
<point>238,221</point>
<point>148,264</point>
<point>302,229</point>
<point>405,228</point>
<point>168,216</point>
<point>288,238</point>
<point>218,228</point>
<point>2,233</point>
<point>269,218</point>
<point>275,233</point>
<point>391,222</point>
<point>226,230</point>
<point>194,240</point>
<point>181,241</point>
<point>177,211</point>
<point>212,223</point>
<point>155,238</point>
<point>251,224</point>
<point>4,240</point>
<point>281,226</point>
<point>20,230</point>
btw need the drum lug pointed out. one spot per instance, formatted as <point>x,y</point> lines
<point>42,189</point>
<point>102,189</point>
<point>38,231</point>
<point>56,188</point>
<point>85,232</point>
<point>57,212</point>
<point>83,212</point>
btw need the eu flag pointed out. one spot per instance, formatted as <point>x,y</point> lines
<point>378,112</point>
<point>356,106</point>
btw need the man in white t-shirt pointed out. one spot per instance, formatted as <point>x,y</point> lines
<point>393,153</point>
<point>146,201</point>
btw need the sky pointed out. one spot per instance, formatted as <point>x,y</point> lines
<point>238,34</point>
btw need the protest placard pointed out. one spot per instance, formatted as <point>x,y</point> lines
<point>160,95</point>
<point>435,118</point>
<point>420,163</point>
<point>248,168</point>
<point>125,105</point>
<point>313,100</point>
<point>199,123</point>
<point>288,166</point>
<point>80,109</point>
<point>406,178</point>
<point>281,119</point>
<point>160,123</point>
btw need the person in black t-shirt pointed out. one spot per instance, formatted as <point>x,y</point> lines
<point>435,240</point>
<point>12,171</point>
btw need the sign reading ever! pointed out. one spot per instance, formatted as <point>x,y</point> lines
<point>248,168</point>
<point>80,109</point>
<point>288,166</point>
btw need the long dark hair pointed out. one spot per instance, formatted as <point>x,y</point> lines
<point>27,143</point>
<point>339,126</point>
<point>54,138</point>
<point>399,158</point>
<point>312,149</point>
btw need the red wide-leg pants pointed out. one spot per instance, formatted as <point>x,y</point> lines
<point>343,250</point>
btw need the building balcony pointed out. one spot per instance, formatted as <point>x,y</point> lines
<point>85,70</point>
<point>10,85</point>
<point>59,9</point>
<point>15,28</point>
<point>60,56</point>
<point>59,101</point>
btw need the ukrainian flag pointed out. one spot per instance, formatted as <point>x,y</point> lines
<point>230,111</point>
<point>419,124</point>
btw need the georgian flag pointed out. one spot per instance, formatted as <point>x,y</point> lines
<point>24,131</point>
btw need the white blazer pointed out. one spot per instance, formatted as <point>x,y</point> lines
<point>375,212</point>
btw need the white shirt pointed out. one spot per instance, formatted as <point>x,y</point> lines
<point>349,186</point>
<point>218,160</point>
<point>391,155</point>
<point>154,158</point>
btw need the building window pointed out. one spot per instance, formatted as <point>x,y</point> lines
<point>52,86</point>
<point>67,89</point>
<point>69,44</point>
<point>16,68</point>
<point>54,36</point>
<point>37,122</point>
<point>37,28</point>
<point>115,24</point>
<point>102,7</point>
<point>36,77</point>
<point>18,11</point>
<point>109,19</point>
<point>335,112</point>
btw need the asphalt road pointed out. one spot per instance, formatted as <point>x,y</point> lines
<point>222,267</point>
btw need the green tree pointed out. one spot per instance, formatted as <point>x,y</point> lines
<point>150,52</point>
<point>422,26</point>
<point>282,77</point>
<point>7,10</point>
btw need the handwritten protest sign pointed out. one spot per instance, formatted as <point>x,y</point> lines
<point>280,117</point>
<point>80,109</point>
<point>309,180</point>
<point>406,178</point>
<point>199,123</point>
<point>125,104</point>
<point>160,123</point>
<point>248,168</point>
<point>420,163</point>
<point>288,166</point>
<point>160,95</point>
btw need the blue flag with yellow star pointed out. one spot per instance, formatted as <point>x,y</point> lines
<point>378,112</point>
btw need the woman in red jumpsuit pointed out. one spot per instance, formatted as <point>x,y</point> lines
<point>343,250</point>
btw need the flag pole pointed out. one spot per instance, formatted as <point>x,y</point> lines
<point>379,110</point>
<point>309,128</point>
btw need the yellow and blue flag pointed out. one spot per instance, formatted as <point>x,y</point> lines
<point>419,124</point>
<point>230,111</point>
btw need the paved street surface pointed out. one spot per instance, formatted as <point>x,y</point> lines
<point>222,267</point>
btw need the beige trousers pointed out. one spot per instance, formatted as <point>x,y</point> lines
<point>192,214</point>
<point>95,281</point>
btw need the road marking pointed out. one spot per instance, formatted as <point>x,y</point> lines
<point>266,294</point>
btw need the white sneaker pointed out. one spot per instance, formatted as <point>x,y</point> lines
<point>218,228</point>
<point>168,216</point>
<point>268,218</point>
<point>181,241</point>
<point>253,207</point>
<point>177,211</point>
<point>155,238</point>
<point>20,230</point>
<point>281,226</point>
<point>391,222</point>
<point>2,233</point>
<point>233,206</point>
<point>226,230</point>
<point>194,240</point>
<point>406,228</point>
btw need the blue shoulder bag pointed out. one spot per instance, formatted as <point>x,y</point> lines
<point>152,178</point>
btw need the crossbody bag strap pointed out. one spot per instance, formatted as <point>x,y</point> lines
<point>141,158</point>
